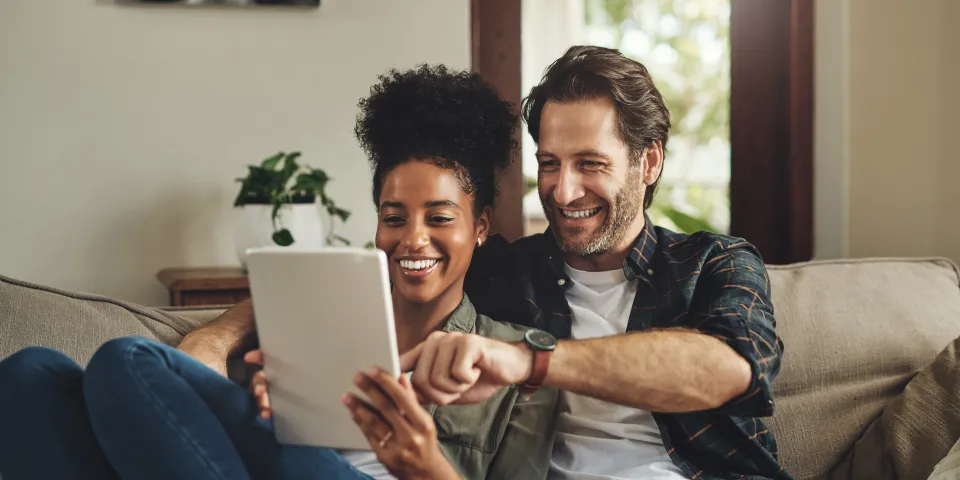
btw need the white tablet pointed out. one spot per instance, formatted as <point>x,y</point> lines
<point>322,315</point>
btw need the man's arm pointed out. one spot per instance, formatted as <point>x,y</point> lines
<point>726,361</point>
<point>227,334</point>
<point>660,371</point>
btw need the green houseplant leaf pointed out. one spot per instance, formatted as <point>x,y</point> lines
<point>685,222</point>
<point>281,180</point>
<point>283,237</point>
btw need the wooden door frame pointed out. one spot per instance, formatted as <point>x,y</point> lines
<point>495,53</point>
<point>771,127</point>
<point>771,118</point>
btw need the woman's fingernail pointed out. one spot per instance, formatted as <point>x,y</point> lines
<point>345,399</point>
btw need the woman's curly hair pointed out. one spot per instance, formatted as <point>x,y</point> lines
<point>453,119</point>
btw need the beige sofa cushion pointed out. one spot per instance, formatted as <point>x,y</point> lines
<point>76,323</point>
<point>855,332</point>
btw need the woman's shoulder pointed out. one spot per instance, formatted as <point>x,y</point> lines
<point>508,332</point>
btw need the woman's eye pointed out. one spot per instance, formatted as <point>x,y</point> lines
<point>440,219</point>
<point>393,220</point>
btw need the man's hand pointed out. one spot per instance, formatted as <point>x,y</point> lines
<point>465,368</point>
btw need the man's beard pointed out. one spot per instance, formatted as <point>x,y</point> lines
<point>627,204</point>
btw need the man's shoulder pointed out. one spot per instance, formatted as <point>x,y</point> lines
<point>703,245</point>
<point>499,258</point>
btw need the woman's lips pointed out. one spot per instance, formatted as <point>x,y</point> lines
<point>418,269</point>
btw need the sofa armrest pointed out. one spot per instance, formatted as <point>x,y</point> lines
<point>197,316</point>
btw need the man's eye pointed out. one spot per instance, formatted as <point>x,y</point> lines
<point>393,220</point>
<point>548,164</point>
<point>591,165</point>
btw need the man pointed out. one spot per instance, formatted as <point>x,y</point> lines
<point>667,342</point>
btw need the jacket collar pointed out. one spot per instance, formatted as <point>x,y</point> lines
<point>463,319</point>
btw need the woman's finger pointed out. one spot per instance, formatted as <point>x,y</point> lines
<point>408,402</point>
<point>254,356</point>
<point>372,426</point>
<point>259,387</point>
<point>370,384</point>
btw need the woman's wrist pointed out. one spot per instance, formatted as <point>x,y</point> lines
<point>443,470</point>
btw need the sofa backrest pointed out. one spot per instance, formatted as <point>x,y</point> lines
<point>75,323</point>
<point>854,333</point>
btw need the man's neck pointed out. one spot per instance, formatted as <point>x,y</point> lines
<point>611,259</point>
<point>414,321</point>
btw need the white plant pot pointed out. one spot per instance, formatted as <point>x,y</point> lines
<point>253,227</point>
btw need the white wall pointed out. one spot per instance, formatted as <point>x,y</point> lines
<point>904,99</point>
<point>888,93</point>
<point>122,128</point>
<point>831,136</point>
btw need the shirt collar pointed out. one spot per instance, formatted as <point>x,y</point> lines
<point>637,264</point>
<point>463,319</point>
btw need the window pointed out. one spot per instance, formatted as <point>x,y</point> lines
<point>685,44</point>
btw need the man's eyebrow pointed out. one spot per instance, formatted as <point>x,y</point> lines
<point>581,153</point>
<point>593,153</point>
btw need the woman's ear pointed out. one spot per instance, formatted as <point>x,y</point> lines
<point>483,224</point>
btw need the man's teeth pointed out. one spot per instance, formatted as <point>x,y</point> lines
<point>580,213</point>
<point>417,264</point>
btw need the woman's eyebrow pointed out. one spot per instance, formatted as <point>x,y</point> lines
<point>442,203</point>
<point>391,204</point>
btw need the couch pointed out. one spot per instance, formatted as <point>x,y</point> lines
<point>856,334</point>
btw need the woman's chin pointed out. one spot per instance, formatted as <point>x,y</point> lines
<point>418,294</point>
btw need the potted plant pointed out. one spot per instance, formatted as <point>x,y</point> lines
<point>278,205</point>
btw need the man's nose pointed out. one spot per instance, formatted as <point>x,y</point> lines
<point>569,187</point>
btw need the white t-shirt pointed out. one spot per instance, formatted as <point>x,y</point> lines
<point>366,462</point>
<point>597,439</point>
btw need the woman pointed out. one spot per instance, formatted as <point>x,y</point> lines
<point>436,140</point>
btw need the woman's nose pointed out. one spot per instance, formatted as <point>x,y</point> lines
<point>416,237</point>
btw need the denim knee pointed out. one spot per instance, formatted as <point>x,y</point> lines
<point>115,354</point>
<point>35,370</point>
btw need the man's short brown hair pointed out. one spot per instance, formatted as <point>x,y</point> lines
<point>588,72</point>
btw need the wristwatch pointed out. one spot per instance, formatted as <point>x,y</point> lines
<point>542,344</point>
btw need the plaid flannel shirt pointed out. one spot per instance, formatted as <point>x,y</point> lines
<point>714,284</point>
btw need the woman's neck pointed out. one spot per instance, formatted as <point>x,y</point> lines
<point>414,321</point>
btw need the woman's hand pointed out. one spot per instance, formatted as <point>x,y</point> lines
<point>258,385</point>
<point>399,430</point>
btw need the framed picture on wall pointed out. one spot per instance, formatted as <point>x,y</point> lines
<point>240,3</point>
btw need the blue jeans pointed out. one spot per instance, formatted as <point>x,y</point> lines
<point>141,410</point>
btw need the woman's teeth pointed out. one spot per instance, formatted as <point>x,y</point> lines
<point>580,213</point>
<point>417,264</point>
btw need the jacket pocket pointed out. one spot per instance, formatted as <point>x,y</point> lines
<point>479,426</point>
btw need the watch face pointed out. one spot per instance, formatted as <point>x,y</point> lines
<point>541,340</point>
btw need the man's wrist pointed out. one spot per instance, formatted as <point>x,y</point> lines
<point>525,353</point>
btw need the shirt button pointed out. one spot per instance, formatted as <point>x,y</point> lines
<point>650,271</point>
<point>561,282</point>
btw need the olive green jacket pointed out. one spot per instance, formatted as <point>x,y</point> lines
<point>508,436</point>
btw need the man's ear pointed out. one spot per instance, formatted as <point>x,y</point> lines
<point>483,224</point>
<point>652,162</point>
